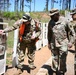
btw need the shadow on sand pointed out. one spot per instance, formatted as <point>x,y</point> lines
<point>50,71</point>
<point>25,67</point>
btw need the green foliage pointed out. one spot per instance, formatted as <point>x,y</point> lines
<point>6,14</point>
<point>17,15</point>
<point>8,61</point>
<point>10,40</point>
<point>9,58</point>
<point>12,15</point>
<point>8,55</point>
<point>62,12</point>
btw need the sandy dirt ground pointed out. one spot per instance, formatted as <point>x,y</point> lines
<point>41,58</point>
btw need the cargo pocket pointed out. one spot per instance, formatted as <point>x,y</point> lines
<point>2,51</point>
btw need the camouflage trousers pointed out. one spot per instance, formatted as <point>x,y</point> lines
<point>59,55</point>
<point>22,47</point>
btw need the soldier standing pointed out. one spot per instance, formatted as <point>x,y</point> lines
<point>3,47</point>
<point>72,25</point>
<point>27,40</point>
<point>58,41</point>
<point>73,22</point>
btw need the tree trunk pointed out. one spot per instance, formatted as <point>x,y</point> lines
<point>22,5</point>
<point>34,5</point>
<point>52,4</point>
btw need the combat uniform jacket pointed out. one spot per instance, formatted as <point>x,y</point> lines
<point>72,25</point>
<point>3,42</point>
<point>28,29</point>
<point>57,33</point>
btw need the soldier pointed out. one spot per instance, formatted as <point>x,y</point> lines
<point>27,39</point>
<point>3,47</point>
<point>72,25</point>
<point>58,41</point>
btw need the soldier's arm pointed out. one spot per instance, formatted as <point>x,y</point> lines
<point>72,33</point>
<point>49,35</point>
<point>15,26</point>
<point>36,28</point>
<point>38,31</point>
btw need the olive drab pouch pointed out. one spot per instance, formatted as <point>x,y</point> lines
<point>2,45</point>
<point>27,38</point>
<point>2,50</point>
<point>3,39</point>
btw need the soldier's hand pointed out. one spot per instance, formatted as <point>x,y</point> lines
<point>33,36</point>
<point>49,46</point>
<point>69,45</point>
<point>2,32</point>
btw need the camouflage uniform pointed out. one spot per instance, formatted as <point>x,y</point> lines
<point>3,46</point>
<point>58,41</point>
<point>3,43</point>
<point>26,42</point>
<point>72,23</point>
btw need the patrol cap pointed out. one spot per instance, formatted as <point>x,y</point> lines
<point>53,11</point>
<point>26,17</point>
<point>73,11</point>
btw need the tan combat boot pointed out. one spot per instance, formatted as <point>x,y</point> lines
<point>32,67</point>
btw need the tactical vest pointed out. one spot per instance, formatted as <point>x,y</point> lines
<point>22,31</point>
<point>73,25</point>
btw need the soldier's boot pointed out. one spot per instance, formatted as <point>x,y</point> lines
<point>62,73</point>
<point>19,66</point>
<point>19,71</point>
<point>54,73</point>
<point>32,67</point>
